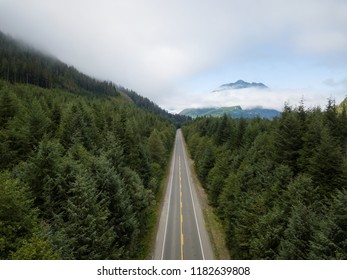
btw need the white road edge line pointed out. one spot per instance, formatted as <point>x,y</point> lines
<point>191,195</point>
<point>168,209</point>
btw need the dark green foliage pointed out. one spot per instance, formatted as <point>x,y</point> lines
<point>23,64</point>
<point>156,147</point>
<point>83,221</point>
<point>205,159</point>
<point>88,169</point>
<point>8,107</point>
<point>17,217</point>
<point>295,244</point>
<point>279,186</point>
<point>145,103</point>
<point>234,112</point>
<point>327,167</point>
<point>22,236</point>
<point>81,163</point>
<point>330,242</point>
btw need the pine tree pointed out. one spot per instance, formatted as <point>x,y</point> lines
<point>330,241</point>
<point>85,221</point>
<point>8,106</point>
<point>288,139</point>
<point>216,177</point>
<point>327,167</point>
<point>43,173</point>
<point>299,234</point>
<point>223,131</point>
<point>303,205</point>
<point>156,147</point>
<point>18,218</point>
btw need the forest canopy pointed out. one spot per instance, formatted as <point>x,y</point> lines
<point>78,174</point>
<point>79,177</point>
<point>279,187</point>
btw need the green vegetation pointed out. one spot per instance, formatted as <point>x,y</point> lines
<point>280,186</point>
<point>342,106</point>
<point>78,174</point>
<point>81,163</point>
<point>20,63</point>
<point>234,112</point>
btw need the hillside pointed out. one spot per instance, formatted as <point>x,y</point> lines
<point>234,112</point>
<point>240,84</point>
<point>81,162</point>
<point>146,104</point>
<point>21,63</point>
<point>280,186</point>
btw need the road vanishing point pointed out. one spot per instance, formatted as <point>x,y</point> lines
<point>182,234</point>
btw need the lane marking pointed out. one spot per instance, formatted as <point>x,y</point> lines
<point>168,210</point>
<point>181,207</point>
<point>191,196</point>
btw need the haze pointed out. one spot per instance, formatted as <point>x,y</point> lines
<point>177,52</point>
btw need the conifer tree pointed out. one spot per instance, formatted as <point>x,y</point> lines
<point>18,218</point>
<point>84,224</point>
<point>156,147</point>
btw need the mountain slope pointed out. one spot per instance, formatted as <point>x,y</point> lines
<point>23,64</point>
<point>234,111</point>
<point>240,84</point>
<point>81,163</point>
<point>148,105</point>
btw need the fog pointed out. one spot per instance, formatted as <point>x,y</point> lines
<point>175,52</point>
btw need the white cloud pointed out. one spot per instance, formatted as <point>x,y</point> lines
<point>155,46</point>
<point>250,98</point>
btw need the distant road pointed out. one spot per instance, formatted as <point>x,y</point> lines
<point>181,233</point>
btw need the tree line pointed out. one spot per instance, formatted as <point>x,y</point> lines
<point>146,104</point>
<point>79,174</point>
<point>20,63</point>
<point>279,187</point>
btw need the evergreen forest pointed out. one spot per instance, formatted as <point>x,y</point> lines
<point>81,163</point>
<point>279,187</point>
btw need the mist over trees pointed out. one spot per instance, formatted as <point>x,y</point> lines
<point>82,162</point>
<point>280,187</point>
<point>79,176</point>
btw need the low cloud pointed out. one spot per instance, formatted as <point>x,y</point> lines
<point>250,98</point>
<point>155,47</point>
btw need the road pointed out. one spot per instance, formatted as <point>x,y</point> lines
<point>181,233</point>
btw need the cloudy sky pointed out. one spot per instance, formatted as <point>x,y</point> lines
<point>176,52</point>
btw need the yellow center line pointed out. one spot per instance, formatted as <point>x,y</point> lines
<point>181,206</point>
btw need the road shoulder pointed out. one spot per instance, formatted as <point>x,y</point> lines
<point>213,224</point>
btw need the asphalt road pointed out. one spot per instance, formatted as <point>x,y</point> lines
<point>181,233</point>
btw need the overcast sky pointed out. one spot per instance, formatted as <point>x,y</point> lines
<point>176,52</point>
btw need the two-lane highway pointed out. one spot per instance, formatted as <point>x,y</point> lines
<point>182,233</point>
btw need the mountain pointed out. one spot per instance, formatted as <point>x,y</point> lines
<point>82,161</point>
<point>240,84</point>
<point>20,63</point>
<point>234,112</point>
<point>148,105</point>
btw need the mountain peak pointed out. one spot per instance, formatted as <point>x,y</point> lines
<point>233,111</point>
<point>240,84</point>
